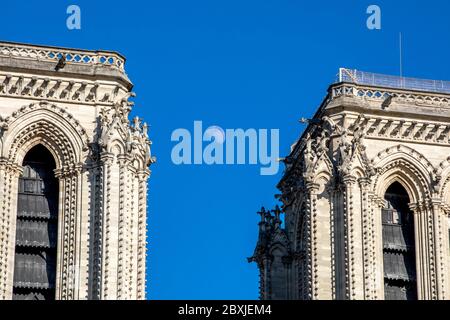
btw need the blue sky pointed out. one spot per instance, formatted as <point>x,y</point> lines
<point>234,64</point>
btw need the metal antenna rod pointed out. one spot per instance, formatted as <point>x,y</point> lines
<point>401,58</point>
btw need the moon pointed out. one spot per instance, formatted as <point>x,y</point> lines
<point>216,132</point>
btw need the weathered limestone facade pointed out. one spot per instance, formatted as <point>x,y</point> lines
<point>364,138</point>
<point>75,104</point>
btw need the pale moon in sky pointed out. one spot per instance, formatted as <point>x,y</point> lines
<point>216,132</point>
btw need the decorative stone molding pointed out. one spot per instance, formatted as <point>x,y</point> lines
<point>405,130</point>
<point>72,56</point>
<point>47,124</point>
<point>412,169</point>
<point>378,94</point>
<point>59,89</point>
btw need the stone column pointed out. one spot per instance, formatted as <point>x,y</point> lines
<point>367,252</point>
<point>441,249</point>
<point>295,279</point>
<point>333,238</point>
<point>123,245</point>
<point>69,213</point>
<point>311,254</point>
<point>338,212</point>
<point>376,247</point>
<point>4,231</point>
<point>133,229</point>
<point>80,236</point>
<point>445,227</point>
<point>425,251</point>
<point>108,268</point>
<point>96,237</point>
<point>9,177</point>
<point>322,239</point>
<point>301,255</point>
<point>421,268</point>
<point>350,239</point>
<point>142,177</point>
<point>287,264</point>
<point>267,263</point>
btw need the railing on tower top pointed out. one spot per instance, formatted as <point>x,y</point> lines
<point>381,80</point>
<point>72,56</point>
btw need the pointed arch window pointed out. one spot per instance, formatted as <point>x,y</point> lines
<point>399,262</point>
<point>36,228</point>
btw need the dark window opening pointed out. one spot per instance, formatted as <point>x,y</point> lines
<point>36,228</point>
<point>399,259</point>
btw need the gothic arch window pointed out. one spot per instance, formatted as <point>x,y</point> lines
<point>36,228</point>
<point>399,261</point>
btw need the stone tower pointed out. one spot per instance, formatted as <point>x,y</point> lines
<point>366,196</point>
<point>73,176</point>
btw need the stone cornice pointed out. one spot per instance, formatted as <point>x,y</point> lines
<point>81,64</point>
<point>399,129</point>
<point>381,93</point>
<point>53,54</point>
<point>59,89</point>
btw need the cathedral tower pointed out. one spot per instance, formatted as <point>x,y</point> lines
<point>366,196</point>
<point>73,176</point>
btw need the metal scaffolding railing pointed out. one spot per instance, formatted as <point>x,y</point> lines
<point>382,80</point>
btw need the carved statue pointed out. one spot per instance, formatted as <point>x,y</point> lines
<point>322,142</point>
<point>136,123</point>
<point>28,90</point>
<point>79,93</point>
<point>92,95</point>
<point>53,91</point>
<point>5,84</point>
<point>39,92</point>
<point>145,130</point>
<point>17,86</point>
